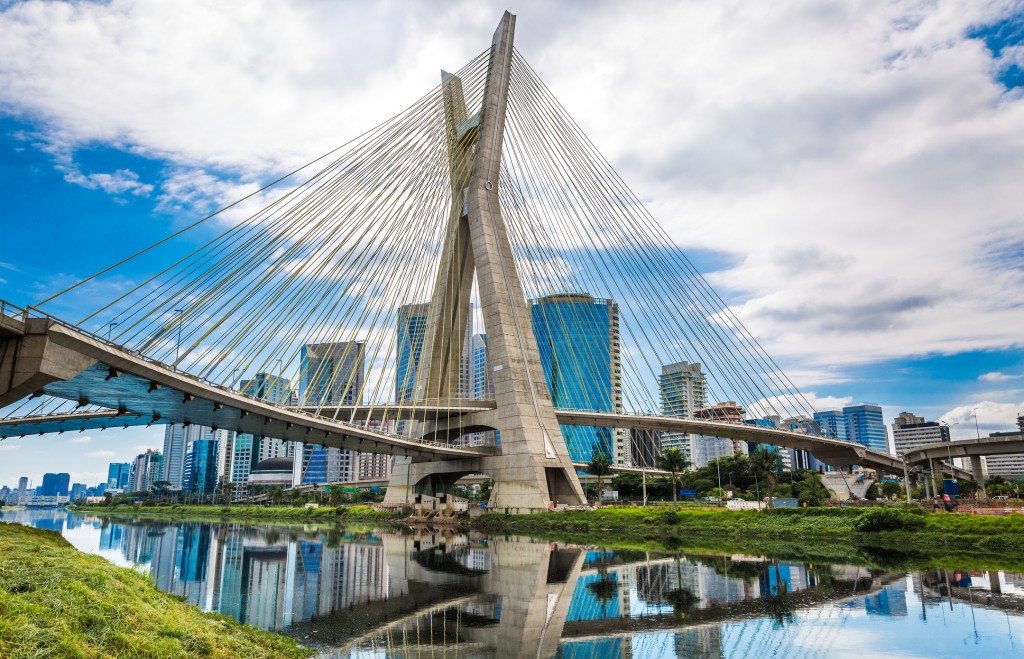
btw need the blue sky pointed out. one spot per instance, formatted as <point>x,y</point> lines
<point>848,176</point>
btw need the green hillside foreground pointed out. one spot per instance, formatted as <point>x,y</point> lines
<point>58,602</point>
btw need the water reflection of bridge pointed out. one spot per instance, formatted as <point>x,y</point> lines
<point>385,591</point>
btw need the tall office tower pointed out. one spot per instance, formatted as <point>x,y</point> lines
<point>910,432</point>
<point>800,459</point>
<point>578,341</point>
<point>833,424</point>
<point>200,472</point>
<point>78,491</point>
<point>412,327</point>
<point>56,485</point>
<point>247,450</point>
<point>146,469</point>
<point>22,488</point>
<point>683,389</point>
<point>475,382</point>
<point>177,444</point>
<point>644,448</point>
<point>330,374</point>
<point>117,475</point>
<point>864,425</point>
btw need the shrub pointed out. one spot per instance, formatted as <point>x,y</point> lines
<point>887,519</point>
<point>670,517</point>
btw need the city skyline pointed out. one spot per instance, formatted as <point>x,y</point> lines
<point>111,173</point>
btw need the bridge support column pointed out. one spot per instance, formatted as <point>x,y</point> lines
<point>931,476</point>
<point>31,361</point>
<point>978,473</point>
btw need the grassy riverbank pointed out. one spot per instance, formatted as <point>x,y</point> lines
<point>246,513</point>
<point>887,539</point>
<point>57,601</point>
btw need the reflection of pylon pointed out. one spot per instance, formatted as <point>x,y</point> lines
<point>533,466</point>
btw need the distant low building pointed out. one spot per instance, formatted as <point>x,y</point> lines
<point>1007,466</point>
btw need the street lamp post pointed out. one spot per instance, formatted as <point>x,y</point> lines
<point>976,428</point>
<point>111,326</point>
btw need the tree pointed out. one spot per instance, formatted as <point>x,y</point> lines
<point>969,489</point>
<point>810,490</point>
<point>891,489</point>
<point>161,488</point>
<point>227,489</point>
<point>600,466</point>
<point>767,463</point>
<point>276,494</point>
<point>673,461</point>
<point>629,483</point>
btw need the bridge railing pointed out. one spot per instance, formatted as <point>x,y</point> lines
<point>26,313</point>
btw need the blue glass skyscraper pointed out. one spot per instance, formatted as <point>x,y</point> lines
<point>200,472</point>
<point>833,424</point>
<point>412,327</point>
<point>864,425</point>
<point>578,339</point>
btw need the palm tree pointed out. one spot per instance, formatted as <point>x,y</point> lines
<point>600,466</point>
<point>767,462</point>
<point>672,460</point>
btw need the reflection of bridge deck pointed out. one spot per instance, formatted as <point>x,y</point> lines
<point>745,609</point>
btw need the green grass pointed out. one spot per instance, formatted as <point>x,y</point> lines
<point>58,602</point>
<point>247,513</point>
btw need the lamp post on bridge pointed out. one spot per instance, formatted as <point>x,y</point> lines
<point>111,326</point>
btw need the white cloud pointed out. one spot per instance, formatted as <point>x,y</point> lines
<point>101,454</point>
<point>857,163</point>
<point>7,446</point>
<point>996,376</point>
<point>991,417</point>
<point>121,181</point>
<point>82,439</point>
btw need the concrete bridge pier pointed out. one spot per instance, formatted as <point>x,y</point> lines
<point>979,475</point>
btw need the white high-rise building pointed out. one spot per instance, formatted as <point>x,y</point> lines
<point>683,388</point>
<point>910,432</point>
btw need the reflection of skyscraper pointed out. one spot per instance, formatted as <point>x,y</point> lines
<point>701,643</point>
<point>891,600</point>
<point>578,339</point>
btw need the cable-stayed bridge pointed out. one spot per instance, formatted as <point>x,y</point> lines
<point>468,286</point>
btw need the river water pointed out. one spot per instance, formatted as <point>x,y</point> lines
<point>364,592</point>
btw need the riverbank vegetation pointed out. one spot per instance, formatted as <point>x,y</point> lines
<point>895,531</point>
<point>58,602</point>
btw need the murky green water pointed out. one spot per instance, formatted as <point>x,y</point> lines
<point>383,593</point>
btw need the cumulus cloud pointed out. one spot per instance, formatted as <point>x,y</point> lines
<point>82,439</point>
<point>991,417</point>
<point>996,376</point>
<point>101,454</point>
<point>856,164</point>
<point>7,446</point>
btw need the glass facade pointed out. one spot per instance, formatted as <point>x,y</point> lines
<point>117,475</point>
<point>833,424</point>
<point>201,468</point>
<point>578,339</point>
<point>412,327</point>
<point>864,425</point>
